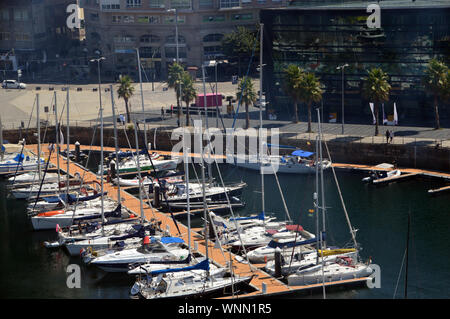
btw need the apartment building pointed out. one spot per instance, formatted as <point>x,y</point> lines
<point>32,32</point>
<point>116,28</point>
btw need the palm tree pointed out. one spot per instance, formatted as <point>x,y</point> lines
<point>246,94</point>
<point>376,89</point>
<point>188,92</point>
<point>173,81</point>
<point>292,76</point>
<point>126,91</point>
<point>435,83</point>
<point>309,92</point>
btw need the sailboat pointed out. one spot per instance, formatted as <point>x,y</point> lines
<point>330,265</point>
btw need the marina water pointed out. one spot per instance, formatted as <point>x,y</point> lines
<point>29,270</point>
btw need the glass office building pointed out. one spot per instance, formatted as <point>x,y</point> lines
<point>319,39</point>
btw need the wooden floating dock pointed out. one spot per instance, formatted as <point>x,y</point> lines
<point>393,178</point>
<point>438,190</point>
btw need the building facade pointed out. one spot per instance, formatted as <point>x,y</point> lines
<point>115,28</point>
<point>33,33</point>
<point>320,39</point>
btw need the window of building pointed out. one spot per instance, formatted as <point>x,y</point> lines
<point>215,37</point>
<point>22,36</point>
<point>4,14</point>
<point>229,3</point>
<point>116,19</point>
<point>206,4</point>
<point>148,38</point>
<point>180,4</point>
<point>124,39</point>
<point>171,19</point>
<point>20,15</point>
<point>111,6</point>
<point>4,36</point>
<point>171,39</point>
<point>243,16</point>
<point>214,18</point>
<point>150,52</point>
<point>134,3</point>
<point>171,52</point>
<point>128,19</point>
<point>156,4</point>
<point>148,19</point>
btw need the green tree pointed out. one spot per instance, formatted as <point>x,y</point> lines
<point>376,89</point>
<point>188,92</point>
<point>292,76</point>
<point>246,94</point>
<point>309,92</point>
<point>240,44</point>
<point>435,82</point>
<point>173,81</point>
<point>125,92</point>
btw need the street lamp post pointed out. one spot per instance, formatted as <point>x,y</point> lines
<point>101,133</point>
<point>342,67</point>
<point>176,45</point>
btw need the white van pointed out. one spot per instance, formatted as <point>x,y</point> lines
<point>13,84</point>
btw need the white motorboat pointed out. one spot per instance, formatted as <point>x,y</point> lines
<point>65,218</point>
<point>159,250</point>
<point>374,175</point>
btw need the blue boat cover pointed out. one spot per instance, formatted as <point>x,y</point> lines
<point>171,240</point>
<point>201,265</point>
<point>19,158</point>
<point>302,153</point>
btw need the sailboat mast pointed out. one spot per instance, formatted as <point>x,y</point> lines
<point>206,120</point>
<point>101,160</point>
<point>68,144</point>
<point>116,144</point>
<point>142,95</point>
<point>139,172</point>
<point>321,181</point>
<point>1,139</point>
<point>57,137</point>
<point>407,253</point>
<point>186,174</point>
<point>261,148</point>
<point>38,137</point>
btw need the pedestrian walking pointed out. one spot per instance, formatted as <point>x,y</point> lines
<point>387,136</point>
<point>162,113</point>
<point>391,136</point>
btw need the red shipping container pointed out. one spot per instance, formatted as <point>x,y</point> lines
<point>210,100</point>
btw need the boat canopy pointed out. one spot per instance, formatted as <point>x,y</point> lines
<point>19,157</point>
<point>129,153</point>
<point>302,153</point>
<point>171,240</point>
<point>201,265</point>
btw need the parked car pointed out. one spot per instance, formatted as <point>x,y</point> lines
<point>13,84</point>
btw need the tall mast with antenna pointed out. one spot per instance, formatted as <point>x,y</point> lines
<point>116,143</point>
<point>261,146</point>
<point>57,138</point>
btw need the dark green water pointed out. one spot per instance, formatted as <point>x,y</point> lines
<point>29,270</point>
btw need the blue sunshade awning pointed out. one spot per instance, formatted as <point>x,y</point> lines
<point>302,153</point>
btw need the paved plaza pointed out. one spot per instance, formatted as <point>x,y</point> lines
<point>16,106</point>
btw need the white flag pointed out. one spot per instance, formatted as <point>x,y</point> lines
<point>395,115</point>
<point>61,137</point>
<point>371,108</point>
<point>384,116</point>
